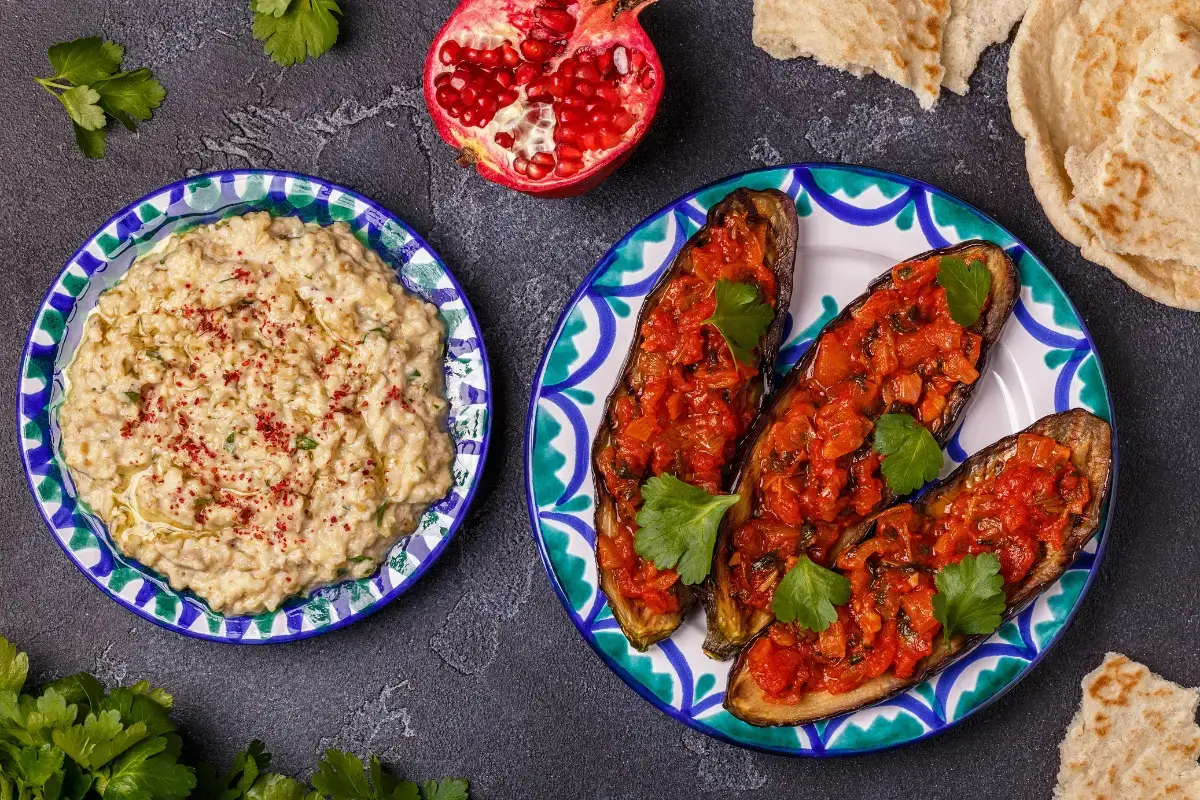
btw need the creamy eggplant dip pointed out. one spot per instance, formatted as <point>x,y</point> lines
<point>256,409</point>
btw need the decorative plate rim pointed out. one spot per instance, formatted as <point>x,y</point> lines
<point>601,265</point>
<point>323,187</point>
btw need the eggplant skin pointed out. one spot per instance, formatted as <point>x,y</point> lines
<point>1090,440</point>
<point>729,629</point>
<point>644,629</point>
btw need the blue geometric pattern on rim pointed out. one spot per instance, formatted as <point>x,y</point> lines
<point>104,258</point>
<point>1048,334</point>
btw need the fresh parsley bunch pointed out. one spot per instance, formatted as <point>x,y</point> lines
<point>89,84</point>
<point>75,741</point>
<point>293,30</point>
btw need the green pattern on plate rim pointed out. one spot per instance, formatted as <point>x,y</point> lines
<point>104,258</point>
<point>854,224</point>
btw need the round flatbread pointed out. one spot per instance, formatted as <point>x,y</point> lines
<point>1070,74</point>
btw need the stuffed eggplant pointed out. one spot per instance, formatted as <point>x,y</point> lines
<point>1032,501</point>
<point>809,471</point>
<point>690,390</point>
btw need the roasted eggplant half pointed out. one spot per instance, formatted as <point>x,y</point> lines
<point>685,400</point>
<point>888,349</point>
<point>1064,463</point>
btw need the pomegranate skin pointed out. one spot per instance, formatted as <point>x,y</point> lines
<point>596,93</point>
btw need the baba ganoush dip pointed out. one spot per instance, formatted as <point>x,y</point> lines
<point>256,409</point>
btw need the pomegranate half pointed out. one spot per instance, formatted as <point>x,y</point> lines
<point>544,96</point>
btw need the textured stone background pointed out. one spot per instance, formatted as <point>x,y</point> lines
<point>477,671</point>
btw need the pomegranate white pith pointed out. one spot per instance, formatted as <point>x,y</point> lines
<point>544,96</point>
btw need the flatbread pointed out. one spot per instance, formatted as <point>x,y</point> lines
<point>1138,193</point>
<point>1134,738</point>
<point>974,26</point>
<point>899,39</point>
<point>1071,66</point>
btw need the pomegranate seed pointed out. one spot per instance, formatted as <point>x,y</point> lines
<point>487,105</point>
<point>509,55</point>
<point>505,140</point>
<point>587,72</point>
<point>468,117</point>
<point>490,58</point>
<point>585,57</point>
<point>558,4</point>
<point>569,116</point>
<point>525,73</point>
<point>521,165</point>
<point>481,78</point>
<point>608,93</point>
<point>507,98</point>
<point>589,140</point>
<point>597,118</point>
<point>567,68</point>
<point>646,78</point>
<point>450,53</point>
<point>538,90</point>
<point>455,111</point>
<point>566,169</point>
<point>446,96</point>
<point>542,159</point>
<point>538,171</point>
<point>535,51</point>
<point>575,101</point>
<point>623,121</point>
<point>442,80</point>
<point>468,95</point>
<point>636,60</point>
<point>620,59</point>
<point>583,88</point>
<point>559,86</point>
<point>565,133</point>
<point>568,152</point>
<point>609,139</point>
<point>504,78</point>
<point>604,63</point>
<point>470,54</point>
<point>554,19</point>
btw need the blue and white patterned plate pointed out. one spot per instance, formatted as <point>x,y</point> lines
<point>854,224</point>
<point>104,258</point>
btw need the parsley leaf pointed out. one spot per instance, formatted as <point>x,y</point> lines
<point>274,786</point>
<point>911,454</point>
<point>445,789</point>
<point>678,526</point>
<point>305,443</point>
<point>379,513</point>
<point>808,593</point>
<point>970,596</point>
<point>967,287</point>
<point>741,316</point>
<point>14,667</point>
<point>151,770</point>
<point>293,30</point>
<point>90,88</point>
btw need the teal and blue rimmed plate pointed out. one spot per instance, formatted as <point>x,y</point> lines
<point>855,223</point>
<point>104,258</point>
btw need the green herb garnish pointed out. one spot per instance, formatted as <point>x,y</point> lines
<point>133,397</point>
<point>808,593</point>
<point>967,287</point>
<point>157,356</point>
<point>741,317</point>
<point>379,514</point>
<point>229,442</point>
<point>678,526</point>
<point>970,596</point>
<point>911,454</point>
<point>293,30</point>
<point>88,83</point>
<point>305,443</point>
<point>201,502</point>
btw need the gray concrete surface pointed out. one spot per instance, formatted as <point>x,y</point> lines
<point>477,670</point>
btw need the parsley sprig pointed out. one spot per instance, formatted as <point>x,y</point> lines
<point>742,317</point>
<point>911,454</point>
<point>808,593</point>
<point>88,82</point>
<point>967,286</point>
<point>294,30</point>
<point>970,596</point>
<point>73,740</point>
<point>678,526</point>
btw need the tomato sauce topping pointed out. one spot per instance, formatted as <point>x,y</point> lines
<point>1019,514</point>
<point>688,403</point>
<point>900,352</point>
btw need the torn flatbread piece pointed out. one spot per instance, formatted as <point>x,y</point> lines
<point>898,39</point>
<point>1138,193</point>
<point>1134,738</point>
<point>974,26</point>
